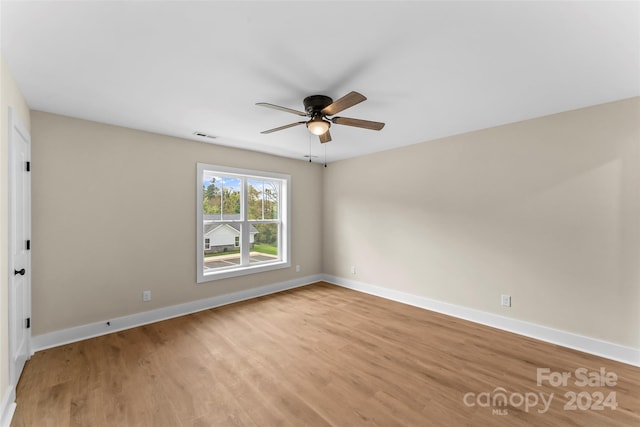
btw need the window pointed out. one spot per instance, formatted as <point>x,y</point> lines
<point>242,222</point>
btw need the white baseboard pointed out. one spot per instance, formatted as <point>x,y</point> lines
<point>66,336</point>
<point>7,406</point>
<point>593,346</point>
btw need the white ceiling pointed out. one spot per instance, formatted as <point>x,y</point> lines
<point>429,69</point>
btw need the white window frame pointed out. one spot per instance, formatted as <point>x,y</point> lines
<point>245,268</point>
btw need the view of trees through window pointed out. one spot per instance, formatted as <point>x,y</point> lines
<point>222,208</point>
<point>221,196</point>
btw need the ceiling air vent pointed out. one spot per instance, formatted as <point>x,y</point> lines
<point>203,135</point>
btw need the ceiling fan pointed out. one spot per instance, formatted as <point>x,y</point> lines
<point>319,108</point>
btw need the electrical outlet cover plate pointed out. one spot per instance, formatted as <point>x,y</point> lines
<point>506,300</point>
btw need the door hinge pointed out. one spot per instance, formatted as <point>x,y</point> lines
<point>27,166</point>
<point>28,322</point>
<point>28,244</point>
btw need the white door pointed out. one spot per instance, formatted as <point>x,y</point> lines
<point>19,245</point>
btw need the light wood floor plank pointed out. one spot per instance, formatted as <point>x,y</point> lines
<point>319,355</point>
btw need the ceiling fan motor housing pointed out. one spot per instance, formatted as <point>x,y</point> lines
<point>315,103</point>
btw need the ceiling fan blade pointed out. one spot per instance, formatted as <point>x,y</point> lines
<point>325,137</point>
<point>283,127</point>
<point>277,107</point>
<point>347,101</point>
<point>366,124</point>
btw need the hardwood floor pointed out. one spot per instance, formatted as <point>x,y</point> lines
<point>319,355</point>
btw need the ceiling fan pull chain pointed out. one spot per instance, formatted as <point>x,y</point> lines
<point>325,155</point>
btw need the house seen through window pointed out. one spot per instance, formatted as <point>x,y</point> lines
<point>242,221</point>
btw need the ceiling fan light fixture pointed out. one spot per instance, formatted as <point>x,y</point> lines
<point>318,126</point>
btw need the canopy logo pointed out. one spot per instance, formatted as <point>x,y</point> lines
<point>500,398</point>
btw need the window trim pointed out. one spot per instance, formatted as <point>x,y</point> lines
<point>285,213</point>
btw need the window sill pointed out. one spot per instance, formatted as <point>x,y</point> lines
<point>241,271</point>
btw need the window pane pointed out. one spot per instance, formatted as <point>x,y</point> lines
<point>263,199</point>
<point>230,198</point>
<point>211,196</point>
<point>254,199</point>
<point>224,246</point>
<point>220,197</point>
<point>271,199</point>
<point>264,239</point>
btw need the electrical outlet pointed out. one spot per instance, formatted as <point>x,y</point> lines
<point>146,296</point>
<point>353,269</point>
<point>505,300</point>
<point>297,269</point>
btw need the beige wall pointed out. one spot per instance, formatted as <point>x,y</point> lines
<point>546,210</point>
<point>10,96</point>
<point>114,214</point>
